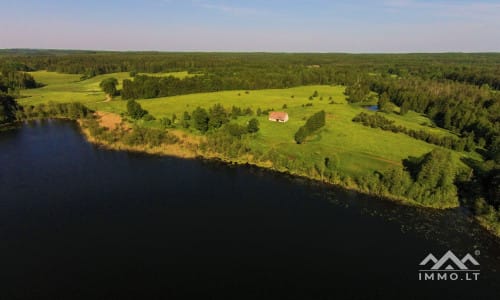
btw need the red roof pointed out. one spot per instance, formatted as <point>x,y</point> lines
<point>278,115</point>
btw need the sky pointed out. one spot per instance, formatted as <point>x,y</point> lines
<point>357,26</point>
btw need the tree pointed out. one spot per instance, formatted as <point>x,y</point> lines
<point>301,135</point>
<point>165,122</point>
<point>384,103</point>
<point>494,150</point>
<point>357,92</point>
<point>316,121</point>
<point>200,119</point>
<point>8,108</point>
<point>435,176</point>
<point>108,85</point>
<point>235,130</point>
<point>135,110</point>
<point>405,107</point>
<point>218,116</point>
<point>253,125</point>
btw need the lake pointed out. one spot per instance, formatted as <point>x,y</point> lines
<point>81,222</point>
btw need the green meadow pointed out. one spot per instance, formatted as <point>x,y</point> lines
<point>360,150</point>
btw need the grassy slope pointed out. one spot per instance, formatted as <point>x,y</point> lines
<point>360,149</point>
<point>69,88</point>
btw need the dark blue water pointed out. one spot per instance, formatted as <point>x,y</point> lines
<point>79,222</point>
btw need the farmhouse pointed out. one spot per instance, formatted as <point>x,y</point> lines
<point>278,116</point>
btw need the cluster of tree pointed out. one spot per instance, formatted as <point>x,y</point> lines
<point>468,70</point>
<point>258,68</point>
<point>135,110</point>
<point>240,112</point>
<point>11,80</point>
<point>314,123</point>
<point>465,109</point>
<point>143,86</point>
<point>358,91</point>
<point>73,111</point>
<point>231,139</point>
<point>228,141</point>
<point>11,111</point>
<point>8,109</point>
<point>384,104</point>
<point>217,116</point>
<point>428,180</point>
<point>108,86</point>
<point>378,121</point>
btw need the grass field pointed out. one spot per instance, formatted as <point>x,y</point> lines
<point>360,150</point>
<point>69,88</point>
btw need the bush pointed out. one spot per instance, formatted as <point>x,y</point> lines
<point>108,85</point>
<point>253,126</point>
<point>165,122</point>
<point>135,110</point>
<point>200,119</point>
<point>148,117</point>
<point>301,135</point>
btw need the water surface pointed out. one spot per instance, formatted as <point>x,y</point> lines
<point>79,222</point>
<point>371,107</point>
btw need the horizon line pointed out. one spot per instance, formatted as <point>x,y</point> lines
<point>254,51</point>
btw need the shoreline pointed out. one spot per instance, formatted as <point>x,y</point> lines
<point>188,152</point>
<point>170,150</point>
<point>166,150</point>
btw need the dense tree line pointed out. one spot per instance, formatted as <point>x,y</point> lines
<point>217,116</point>
<point>13,80</point>
<point>72,110</point>
<point>378,121</point>
<point>479,69</point>
<point>11,111</point>
<point>462,108</point>
<point>223,71</point>
<point>313,123</point>
<point>143,86</point>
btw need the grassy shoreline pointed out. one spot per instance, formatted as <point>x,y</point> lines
<point>192,153</point>
<point>172,151</point>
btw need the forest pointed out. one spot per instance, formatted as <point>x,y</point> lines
<point>458,92</point>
